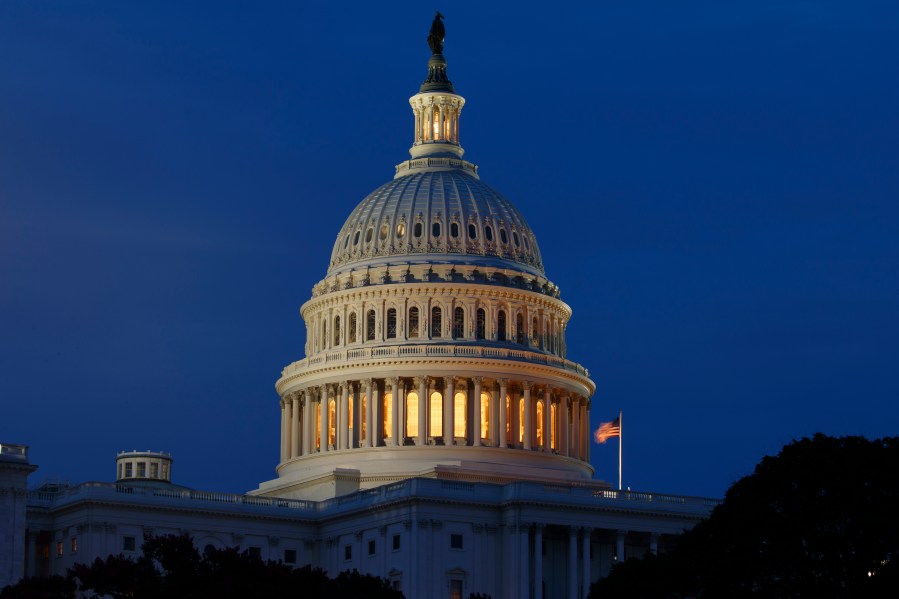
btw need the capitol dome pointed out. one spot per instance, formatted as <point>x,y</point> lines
<point>435,344</point>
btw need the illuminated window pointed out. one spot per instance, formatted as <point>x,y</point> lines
<point>454,229</point>
<point>436,121</point>
<point>412,414</point>
<point>413,322</point>
<point>485,415</point>
<point>459,414</point>
<point>400,229</point>
<point>458,323</point>
<point>349,410</point>
<point>74,544</point>
<point>508,420</point>
<point>501,325</point>
<point>436,425</point>
<point>455,588</point>
<point>519,329</point>
<point>481,326</point>
<point>332,425</point>
<point>391,323</point>
<point>436,322</point>
<point>59,549</point>
<point>553,427</point>
<point>45,552</point>
<point>164,473</point>
<point>502,236</point>
<point>520,420</point>
<point>336,330</point>
<point>539,422</point>
<point>472,231</point>
<point>352,327</point>
<point>318,429</point>
<point>364,431</point>
<point>387,411</point>
<point>370,326</point>
<point>435,230</point>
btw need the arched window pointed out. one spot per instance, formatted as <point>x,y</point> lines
<point>488,233</point>
<point>391,323</point>
<point>553,426</point>
<point>370,326</point>
<point>485,415</point>
<point>352,327</point>
<point>459,412</point>
<point>502,236</point>
<point>481,327</point>
<point>318,429</point>
<point>501,325</point>
<point>458,323</point>
<point>413,322</point>
<point>436,322</point>
<point>412,414</point>
<point>349,414</point>
<point>472,231</point>
<point>520,438</point>
<point>332,425</point>
<point>324,336</point>
<point>539,423</point>
<point>435,428</point>
<point>508,420</point>
<point>363,429</point>
<point>519,329</point>
<point>336,330</point>
<point>534,337</point>
<point>387,412</point>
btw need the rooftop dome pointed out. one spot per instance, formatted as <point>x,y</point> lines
<point>436,214</point>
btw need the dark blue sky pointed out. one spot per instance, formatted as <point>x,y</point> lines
<point>713,185</point>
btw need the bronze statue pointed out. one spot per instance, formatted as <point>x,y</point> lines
<point>437,34</point>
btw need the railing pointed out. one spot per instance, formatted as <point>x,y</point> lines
<point>399,351</point>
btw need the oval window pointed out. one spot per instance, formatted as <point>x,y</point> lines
<point>527,245</point>
<point>502,236</point>
<point>369,234</point>
<point>417,230</point>
<point>435,230</point>
<point>346,242</point>
<point>382,234</point>
<point>356,238</point>
<point>454,229</point>
<point>488,233</point>
<point>515,238</point>
<point>400,229</point>
<point>472,232</point>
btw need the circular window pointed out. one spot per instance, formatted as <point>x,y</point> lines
<point>369,234</point>
<point>472,232</point>
<point>435,230</point>
<point>417,230</point>
<point>356,238</point>
<point>502,236</point>
<point>488,233</point>
<point>382,235</point>
<point>454,229</point>
<point>400,229</point>
<point>515,238</point>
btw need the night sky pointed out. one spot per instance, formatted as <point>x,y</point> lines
<point>713,186</point>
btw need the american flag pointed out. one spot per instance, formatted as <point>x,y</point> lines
<point>607,430</point>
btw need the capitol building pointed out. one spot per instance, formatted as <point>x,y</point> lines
<point>435,433</point>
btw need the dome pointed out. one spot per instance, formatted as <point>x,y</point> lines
<point>439,215</point>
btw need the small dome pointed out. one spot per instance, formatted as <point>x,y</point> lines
<point>436,216</point>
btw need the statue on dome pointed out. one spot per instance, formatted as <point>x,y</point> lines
<point>437,34</point>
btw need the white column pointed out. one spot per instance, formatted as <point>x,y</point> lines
<point>585,576</point>
<point>575,451</point>
<point>538,561</point>
<point>375,419</point>
<point>323,416</point>
<point>401,415</point>
<point>283,429</point>
<point>395,431</point>
<point>343,425</point>
<point>369,422</point>
<point>585,430</point>
<point>563,424</point>
<point>449,412</point>
<point>295,426</point>
<point>422,384</point>
<point>528,416</point>
<point>572,562</point>
<point>308,423</point>
<point>503,383</point>
<point>476,430</point>
<point>547,419</point>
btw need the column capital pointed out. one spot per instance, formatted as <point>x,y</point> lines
<point>526,385</point>
<point>392,382</point>
<point>418,380</point>
<point>504,382</point>
<point>449,380</point>
<point>477,379</point>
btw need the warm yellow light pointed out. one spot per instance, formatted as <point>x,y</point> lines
<point>436,414</point>
<point>459,418</point>
<point>485,415</point>
<point>412,414</point>
<point>388,414</point>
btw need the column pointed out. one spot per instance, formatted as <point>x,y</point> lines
<point>449,412</point>
<point>343,416</point>
<point>516,418</point>
<point>395,432</point>
<point>283,430</point>
<point>376,421</point>
<point>524,552</point>
<point>308,423</point>
<point>476,429</point>
<point>323,416</point>
<point>369,420</point>
<point>503,415</point>
<point>563,424</point>
<point>654,543</point>
<point>494,416</point>
<point>547,419</point>
<point>572,562</point>
<point>619,546</point>
<point>295,426</point>
<point>585,576</point>
<point>585,430</point>
<point>528,416</point>
<point>401,415</point>
<point>422,383</point>
<point>538,561</point>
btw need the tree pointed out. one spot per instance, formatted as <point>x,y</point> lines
<point>817,520</point>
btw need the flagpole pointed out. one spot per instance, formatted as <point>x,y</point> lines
<point>620,438</point>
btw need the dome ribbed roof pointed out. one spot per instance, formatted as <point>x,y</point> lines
<point>436,216</point>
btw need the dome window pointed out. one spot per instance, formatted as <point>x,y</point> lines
<point>515,238</point>
<point>413,322</point>
<point>356,238</point>
<point>346,242</point>
<point>454,229</point>
<point>369,234</point>
<point>352,331</point>
<point>527,245</point>
<point>435,230</point>
<point>481,327</point>
<point>458,323</point>
<point>400,229</point>
<point>382,234</point>
<point>472,231</point>
<point>501,326</point>
<point>417,230</point>
<point>391,323</point>
<point>502,236</point>
<point>488,233</point>
<point>436,322</point>
<point>370,326</point>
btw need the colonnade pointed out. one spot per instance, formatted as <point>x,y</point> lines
<point>423,410</point>
<point>436,117</point>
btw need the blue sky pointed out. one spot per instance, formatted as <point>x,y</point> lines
<point>713,186</point>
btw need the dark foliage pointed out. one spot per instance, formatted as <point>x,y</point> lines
<point>54,587</point>
<point>817,520</point>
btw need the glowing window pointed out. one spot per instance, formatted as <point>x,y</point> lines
<point>459,414</point>
<point>364,425</point>
<point>349,414</point>
<point>436,322</point>
<point>154,470</point>
<point>539,422</point>
<point>502,236</point>
<point>412,414</point>
<point>413,322</point>
<point>382,234</point>
<point>485,415</point>
<point>400,229</point>
<point>458,323</point>
<point>436,404</point>
<point>435,229</point>
<point>454,229</point>
<point>387,411</point>
<point>472,231</point>
<point>391,323</point>
<point>520,420</point>
<point>318,429</point>
<point>553,427</point>
<point>481,326</point>
<point>332,425</point>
